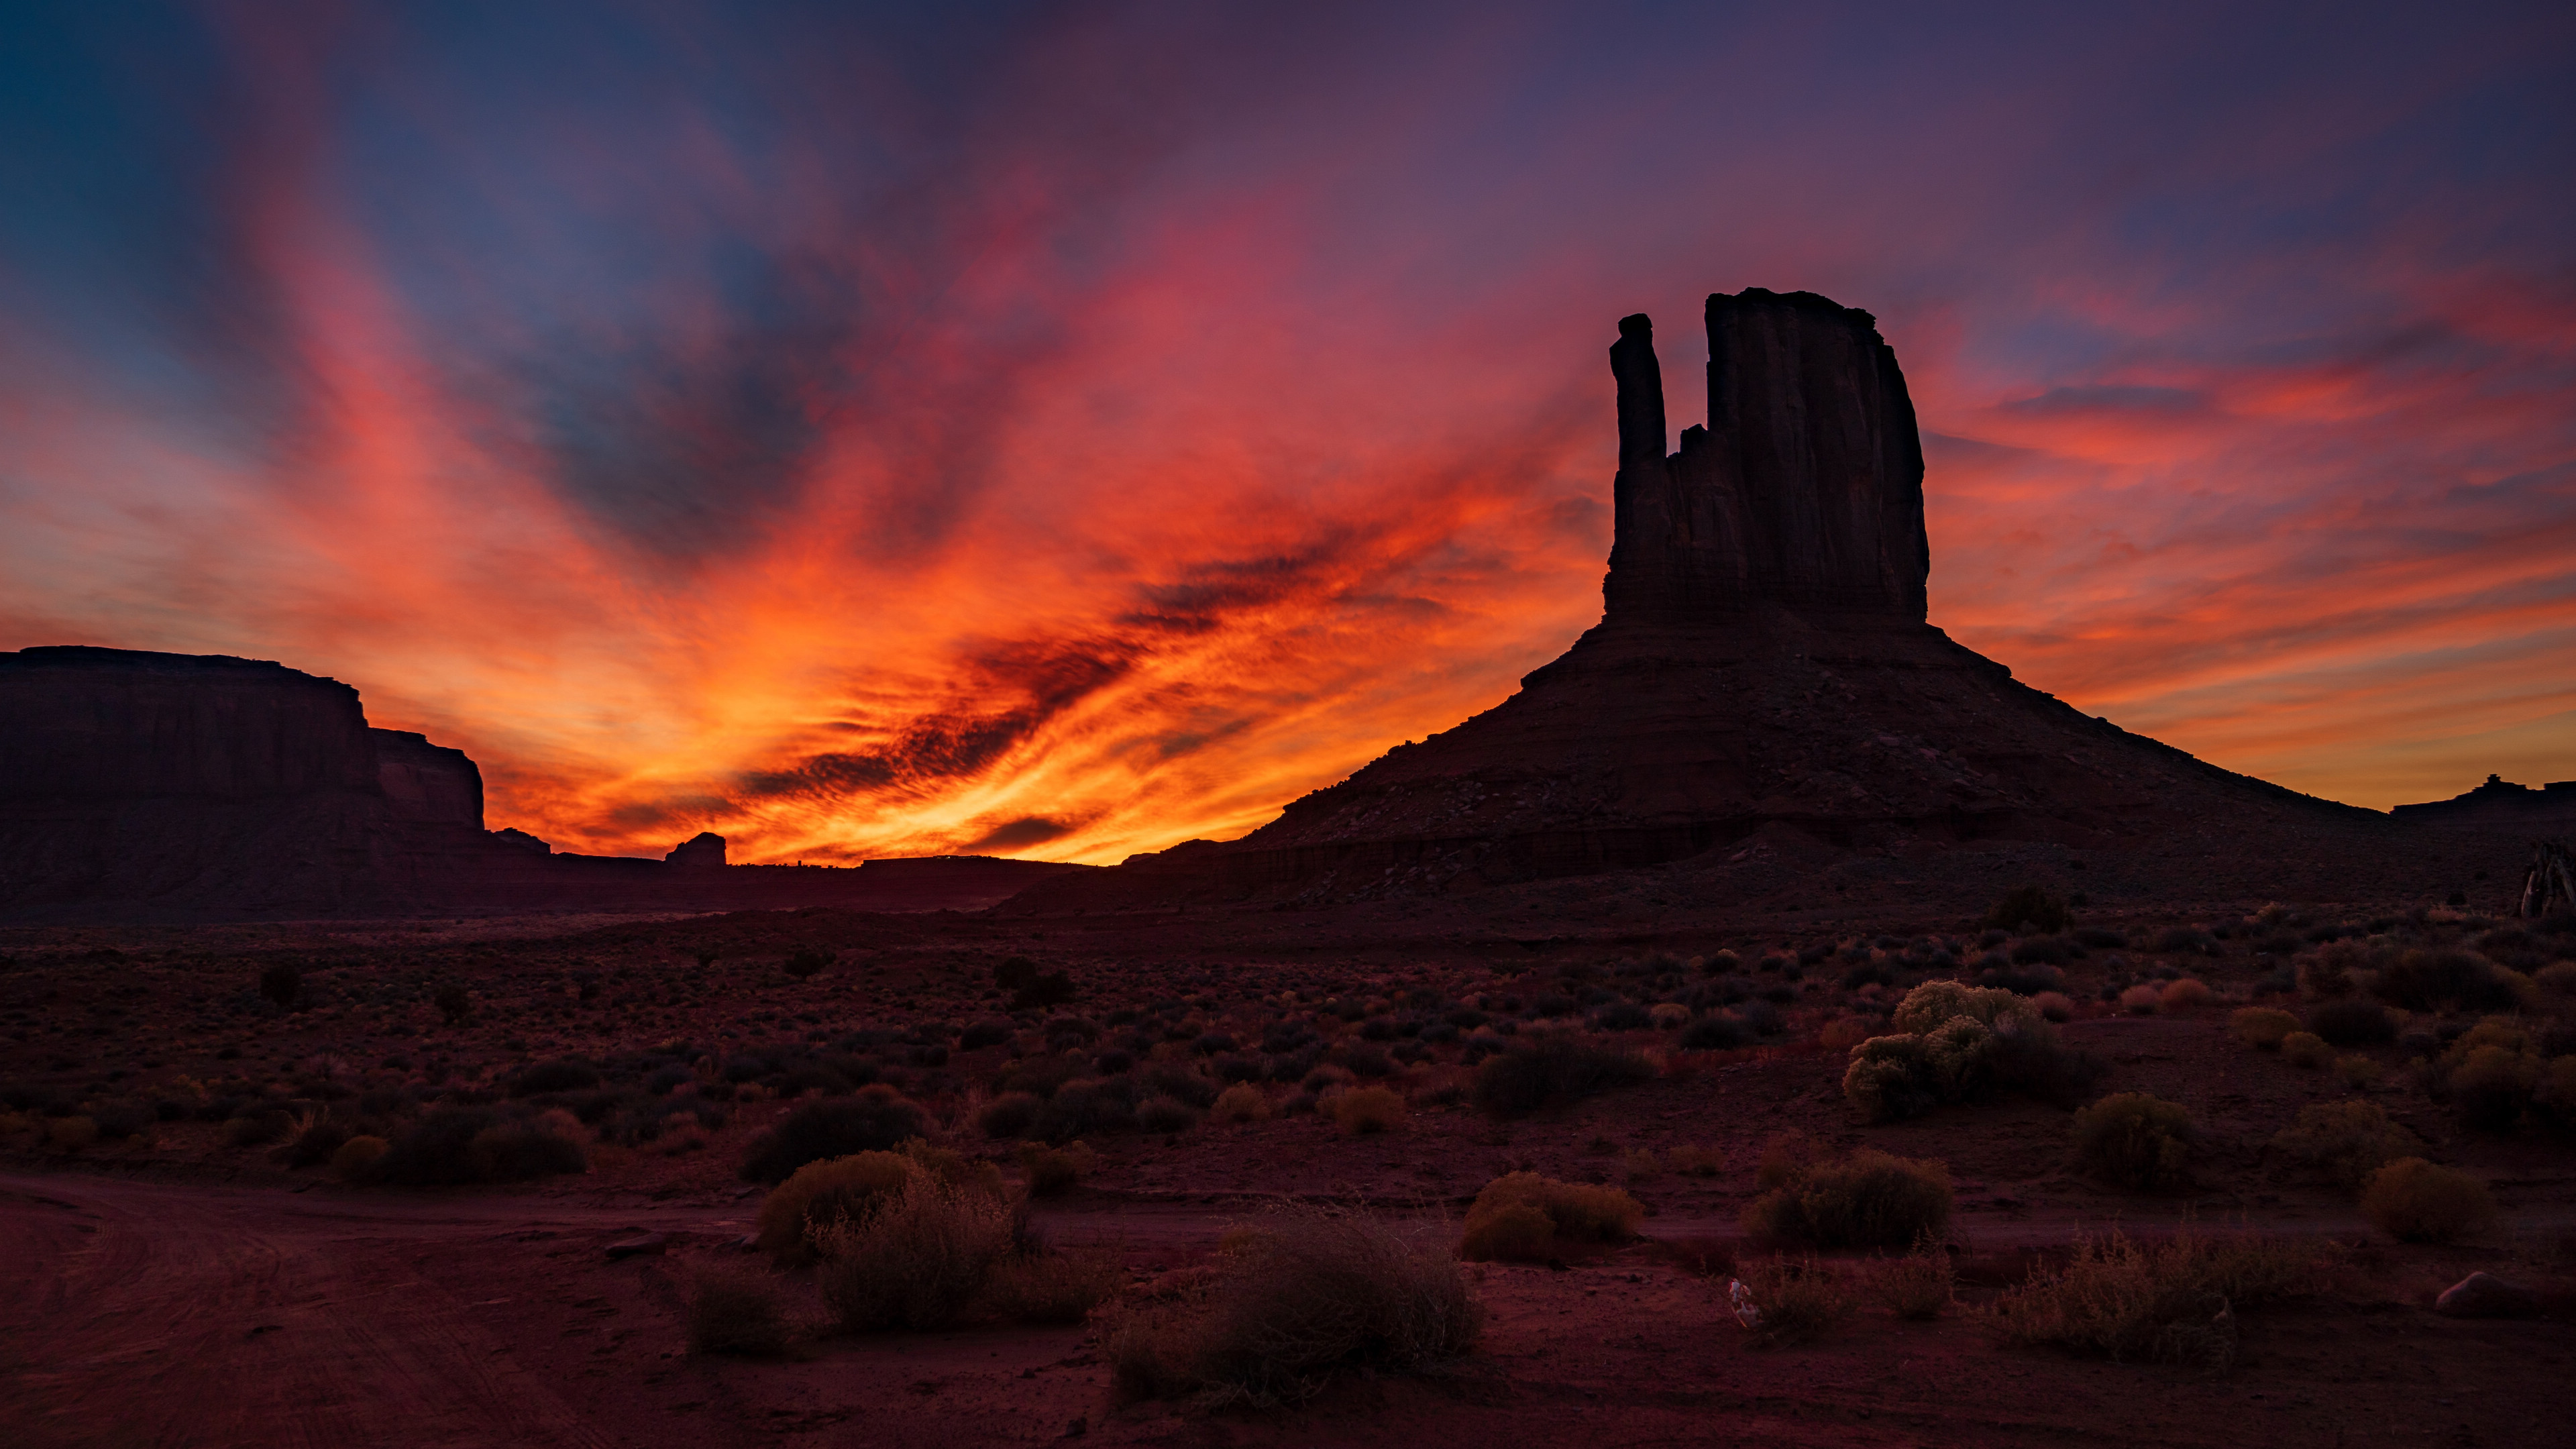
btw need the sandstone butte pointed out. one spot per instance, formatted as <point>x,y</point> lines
<point>1764,662</point>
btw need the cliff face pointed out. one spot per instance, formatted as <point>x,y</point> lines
<point>1804,488</point>
<point>101,724</point>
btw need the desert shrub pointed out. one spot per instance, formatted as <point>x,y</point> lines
<point>1917,1286</point>
<point>1552,1069</point>
<point>566,1075</point>
<point>2306,1050</point>
<point>1716,1032</point>
<point>1055,1288</point>
<point>1800,1299</point>
<point>819,1192</point>
<point>2345,1141</point>
<point>1242,1102</point>
<point>1934,1003</point>
<point>281,984</point>
<point>255,1127</point>
<point>1295,1301</point>
<point>1015,972</point>
<point>356,1159</point>
<point>2102,938</point>
<point>918,1259</point>
<point>2053,1006</point>
<point>2030,1061</point>
<point>2359,1072</point>
<point>2558,979</point>
<point>2029,905</point>
<point>981,1034</point>
<point>876,1120</point>
<point>2172,1302</point>
<point>1870,1200</point>
<point>2352,1022</point>
<point>313,1138</point>
<point>2135,1140</point>
<point>454,1004</point>
<point>1892,1078</point>
<point>1844,1033</point>
<point>807,961</point>
<point>2175,939</point>
<point>118,1120</point>
<point>1520,1216</point>
<point>2414,1201</point>
<point>2143,999</point>
<point>1166,1114</point>
<point>735,1308</point>
<point>1171,1079</point>
<point>2184,994</point>
<point>1086,1107</point>
<point>70,1134</point>
<point>458,1145</point>
<point>2263,1028</point>
<point>1669,1016</point>
<point>1052,1170</point>
<point>2490,1085</point>
<point>1366,1110</point>
<point>1691,1161</point>
<point>1009,1115</point>
<point>2428,980</point>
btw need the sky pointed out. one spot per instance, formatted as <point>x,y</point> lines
<point>1066,430</point>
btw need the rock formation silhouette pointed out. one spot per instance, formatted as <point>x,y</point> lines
<point>1763,660</point>
<point>136,785</point>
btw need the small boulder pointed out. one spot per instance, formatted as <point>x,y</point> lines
<point>650,1243</point>
<point>2484,1295</point>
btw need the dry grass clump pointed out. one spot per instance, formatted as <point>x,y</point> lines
<point>1696,1161</point>
<point>1520,1217</point>
<point>1953,1042</point>
<point>1800,1299</point>
<point>2185,994</point>
<point>2345,1141</point>
<point>1053,1170</point>
<point>1242,1102</point>
<point>1052,1288</point>
<point>1917,1286</point>
<point>1291,1303</point>
<point>735,1308</point>
<point>820,1193</point>
<point>2135,1140</point>
<point>2306,1050</point>
<point>918,1259</point>
<point>2263,1028</point>
<point>1551,1069</point>
<point>2414,1201</point>
<point>2173,1302</point>
<point>1870,1200</point>
<point>1366,1109</point>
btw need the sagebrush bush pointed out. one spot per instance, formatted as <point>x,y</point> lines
<point>2491,1084</point>
<point>1552,1068</point>
<point>918,1260</point>
<point>1800,1299</point>
<point>735,1308</point>
<point>2263,1028</point>
<point>1242,1102</point>
<point>1294,1301</point>
<point>2136,1141</point>
<point>1053,1170</point>
<point>2414,1201</point>
<point>1953,1043</point>
<point>2142,999</point>
<point>822,1192</point>
<point>1366,1109</point>
<point>459,1145</point>
<point>1519,1217</point>
<point>2184,993</point>
<point>2173,1302</point>
<point>356,1158</point>
<point>2306,1050</point>
<point>2345,1142</point>
<point>2054,1006</point>
<point>1166,1114</point>
<point>877,1120</point>
<point>1870,1200</point>
<point>1011,1114</point>
<point>1917,1286</point>
<point>2428,980</point>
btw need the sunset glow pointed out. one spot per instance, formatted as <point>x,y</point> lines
<point>1078,430</point>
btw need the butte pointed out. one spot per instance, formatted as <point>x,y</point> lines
<point>1764,664</point>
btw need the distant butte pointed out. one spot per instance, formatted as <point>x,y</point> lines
<point>1763,663</point>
